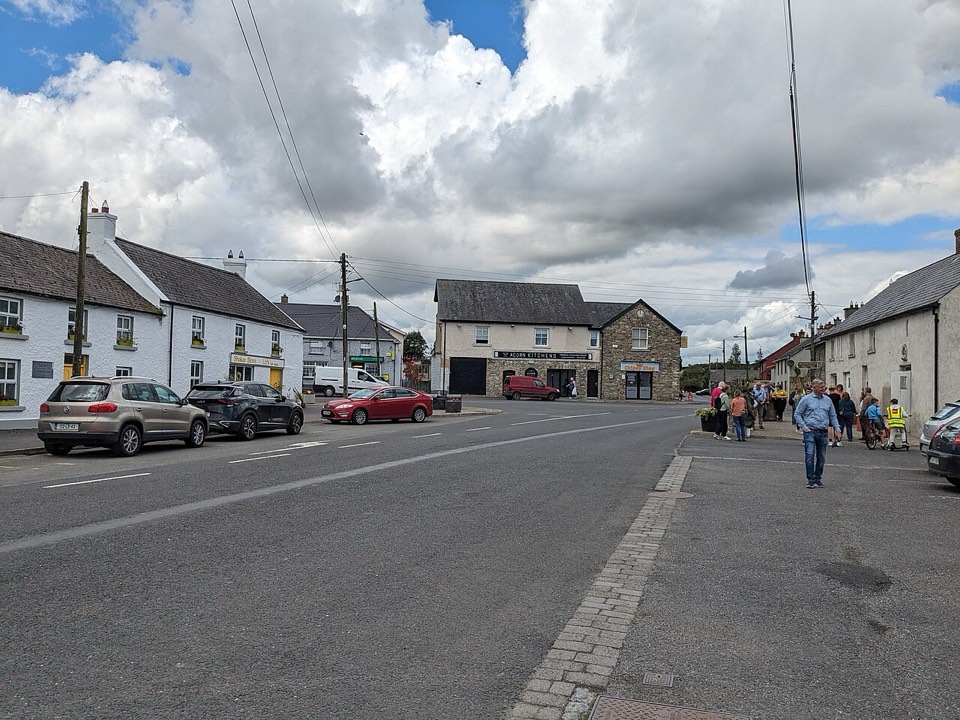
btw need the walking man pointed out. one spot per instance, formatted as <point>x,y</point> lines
<point>814,414</point>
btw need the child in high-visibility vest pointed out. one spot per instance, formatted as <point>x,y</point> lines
<point>897,422</point>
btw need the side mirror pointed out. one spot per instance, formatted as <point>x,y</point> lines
<point>282,398</point>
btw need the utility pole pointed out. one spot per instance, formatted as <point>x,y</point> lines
<point>343,320</point>
<point>813,328</point>
<point>376,334</point>
<point>746,355</point>
<point>724,359</point>
<point>78,328</point>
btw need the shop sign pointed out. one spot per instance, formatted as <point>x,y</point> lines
<point>242,359</point>
<point>523,355</point>
<point>627,366</point>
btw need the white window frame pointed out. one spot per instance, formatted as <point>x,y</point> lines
<point>197,328</point>
<point>275,346</point>
<point>541,337</point>
<point>240,337</point>
<point>11,312</point>
<point>123,371</point>
<point>244,373</point>
<point>638,343</point>
<point>594,338</point>
<point>481,335</point>
<point>196,372</point>
<point>852,346</point>
<point>316,347</point>
<point>309,371</point>
<point>871,340</point>
<point>10,378</point>
<point>366,348</point>
<point>125,328</point>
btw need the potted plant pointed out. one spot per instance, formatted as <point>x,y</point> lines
<point>125,341</point>
<point>12,329</point>
<point>276,350</point>
<point>708,418</point>
<point>5,401</point>
<point>196,340</point>
<point>239,347</point>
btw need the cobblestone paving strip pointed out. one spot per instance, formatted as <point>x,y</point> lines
<point>586,651</point>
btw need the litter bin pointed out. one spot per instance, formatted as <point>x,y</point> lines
<point>439,402</point>
<point>453,404</point>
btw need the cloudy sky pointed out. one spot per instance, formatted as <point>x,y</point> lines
<point>640,149</point>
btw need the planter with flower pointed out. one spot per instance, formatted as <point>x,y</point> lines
<point>708,418</point>
<point>125,341</point>
<point>12,329</point>
<point>239,347</point>
<point>275,350</point>
<point>7,402</point>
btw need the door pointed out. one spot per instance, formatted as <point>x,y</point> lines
<point>175,416</point>
<point>275,407</point>
<point>383,404</point>
<point>900,389</point>
<point>593,382</point>
<point>68,365</point>
<point>146,408</point>
<point>645,385</point>
<point>276,379</point>
<point>632,390</point>
<point>559,377</point>
<point>256,394</point>
<point>468,376</point>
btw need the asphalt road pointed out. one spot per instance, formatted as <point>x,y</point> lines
<point>387,571</point>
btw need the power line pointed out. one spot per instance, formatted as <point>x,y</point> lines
<point>36,195</point>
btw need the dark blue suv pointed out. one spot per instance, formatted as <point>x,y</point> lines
<point>245,408</point>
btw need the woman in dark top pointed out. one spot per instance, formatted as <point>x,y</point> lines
<point>847,410</point>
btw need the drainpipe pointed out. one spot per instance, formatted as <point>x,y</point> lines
<point>936,357</point>
<point>170,350</point>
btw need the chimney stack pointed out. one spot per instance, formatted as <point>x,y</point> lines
<point>850,310</point>
<point>284,299</point>
<point>101,228</point>
<point>238,266</point>
<point>956,235</point>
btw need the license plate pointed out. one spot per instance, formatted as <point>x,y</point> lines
<point>66,426</point>
<point>326,413</point>
<point>933,460</point>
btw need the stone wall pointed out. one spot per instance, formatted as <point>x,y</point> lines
<point>663,348</point>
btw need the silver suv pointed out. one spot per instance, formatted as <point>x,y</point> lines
<point>121,413</point>
<point>945,415</point>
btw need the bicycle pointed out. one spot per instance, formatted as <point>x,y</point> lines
<point>872,434</point>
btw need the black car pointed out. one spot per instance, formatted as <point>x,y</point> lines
<point>943,455</point>
<point>246,408</point>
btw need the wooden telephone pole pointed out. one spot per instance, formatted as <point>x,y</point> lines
<point>376,334</point>
<point>78,327</point>
<point>343,318</point>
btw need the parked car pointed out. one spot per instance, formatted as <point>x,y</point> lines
<point>389,403</point>
<point>246,408</point>
<point>521,386</point>
<point>943,455</point>
<point>329,380</point>
<point>121,413</point>
<point>944,416</point>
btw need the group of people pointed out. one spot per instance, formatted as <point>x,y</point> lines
<point>746,407</point>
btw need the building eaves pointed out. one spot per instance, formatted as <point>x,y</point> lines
<point>323,321</point>
<point>640,303</point>
<point>205,288</point>
<point>35,268</point>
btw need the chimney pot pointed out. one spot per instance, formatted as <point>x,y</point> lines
<point>229,254</point>
<point>284,299</point>
<point>241,253</point>
<point>105,208</point>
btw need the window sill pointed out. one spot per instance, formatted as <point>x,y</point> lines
<point>194,346</point>
<point>870,352</point>
<point>852,355</point>
<point>130,348</point>
<point>83,344</point>
<point>12,408</point>
<point>14,336</point>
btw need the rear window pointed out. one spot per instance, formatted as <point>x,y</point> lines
<point>946,412</point>
<point>80,392</point>
<point>209,391</point>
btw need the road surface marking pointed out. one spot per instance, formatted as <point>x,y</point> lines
<point>373,442</point>
<point>307,444</point>
<point>560,417</point>
<point>475,429</point>
<point>262,457</point>
<point>85,482</point>
<point>95,528</point>
<point>414,437</point>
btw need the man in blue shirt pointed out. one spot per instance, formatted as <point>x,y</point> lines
<point>814,414</point>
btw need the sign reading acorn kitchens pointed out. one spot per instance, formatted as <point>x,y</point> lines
<point>627,366</point>
<point>523,355</point>
<point>242,359</point>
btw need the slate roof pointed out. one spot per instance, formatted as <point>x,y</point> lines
<point>623,308</point>
<point>323,321</point>
<point>920,289</point>
<point>506,302</point>
<point>202,287</point>
<point>35,268</point>
<point>603,312</point>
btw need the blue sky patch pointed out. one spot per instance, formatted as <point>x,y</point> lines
<point>494,24</point>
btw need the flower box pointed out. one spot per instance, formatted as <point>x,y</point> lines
<point>708,423</point>
<point>11,329</point>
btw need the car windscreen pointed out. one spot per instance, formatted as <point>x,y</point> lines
<point>209,391</point>
<point>360,394</point>
<point>80,392</point>
<point>946,412</point>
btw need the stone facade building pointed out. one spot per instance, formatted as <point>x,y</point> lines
<point>487,331</point>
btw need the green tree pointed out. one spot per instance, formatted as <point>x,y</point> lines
<point>735,357</point>
<point>414,346</point>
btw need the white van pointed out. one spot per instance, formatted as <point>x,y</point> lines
<point>329,380</point>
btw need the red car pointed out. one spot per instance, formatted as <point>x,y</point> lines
<point>386,403</point>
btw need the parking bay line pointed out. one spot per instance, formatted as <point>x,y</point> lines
<point>86,482</point>
<point>262,457</point>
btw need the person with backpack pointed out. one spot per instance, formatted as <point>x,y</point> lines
<point>722,406</point>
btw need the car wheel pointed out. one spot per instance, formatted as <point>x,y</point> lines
<point>552,396</point>
<point>419,415</point>
<point>296,423</point>
<point>130,442</point>
<point>328,391</point>
<point>248,427</point>
<point>515,396</point>
<point>198,434</point>
<point>360,417</point>
<point>55,448</point>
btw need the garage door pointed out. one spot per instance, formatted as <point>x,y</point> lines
<point>468,376</point>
